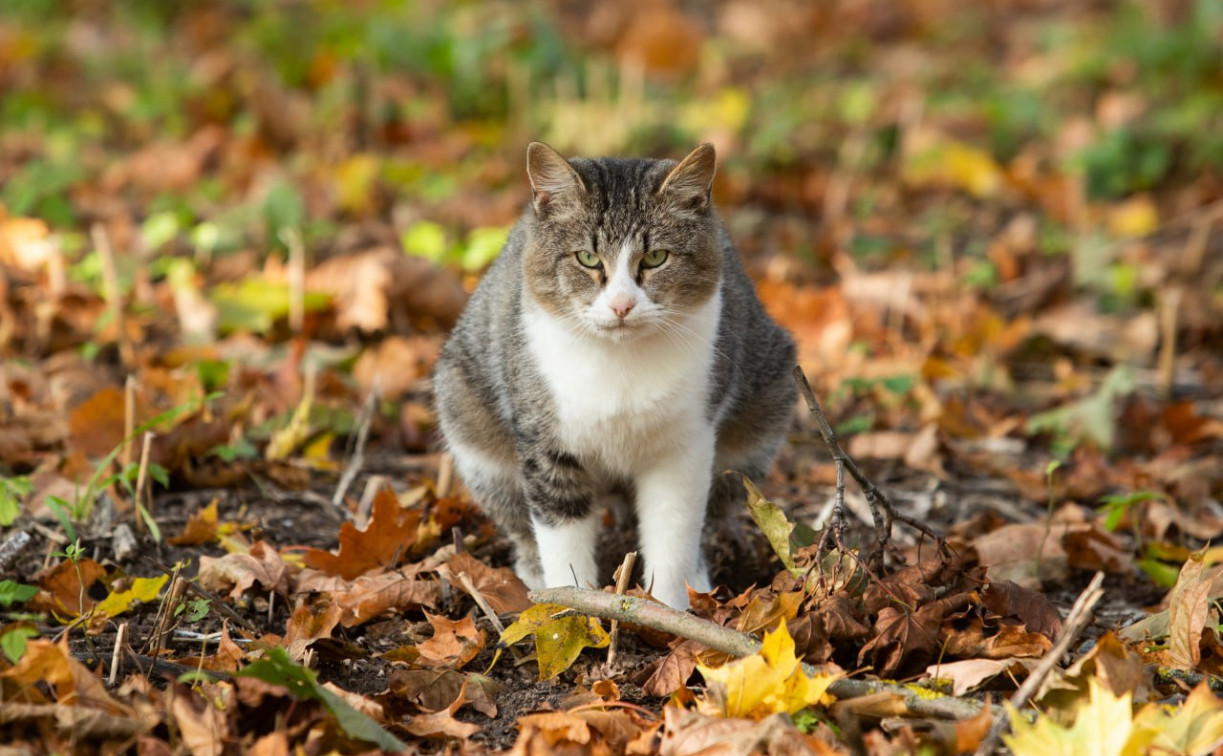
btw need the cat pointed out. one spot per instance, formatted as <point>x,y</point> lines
<point>615,343</point>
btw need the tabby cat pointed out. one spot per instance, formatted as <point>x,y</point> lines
<point>616,344</point>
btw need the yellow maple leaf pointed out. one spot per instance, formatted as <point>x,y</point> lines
<point>763,684</point>
<point>1196,727</point>
<point>558,639</point>
<point>1102,727</point>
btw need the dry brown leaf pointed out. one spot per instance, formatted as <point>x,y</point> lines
<point>387,537</point>
<point>202,727</point>
<point>200,528</point>
<point>454,643</point>
<point>967,675</point>
<point>308,623</point>
<point>68,587</point>
<point>499,586</point>
<point>236,573</point>
<point>372,596</point>
<point>1032,608</point>
<point>673,670</point>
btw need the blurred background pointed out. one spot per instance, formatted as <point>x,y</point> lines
<point>942,200</point>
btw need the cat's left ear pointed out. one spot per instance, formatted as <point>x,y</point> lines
<point>690,182</point>
<point>553,179</point>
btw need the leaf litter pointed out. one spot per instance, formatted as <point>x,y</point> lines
<point>1008,304</point>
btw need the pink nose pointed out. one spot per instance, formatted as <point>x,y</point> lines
<point>621,306</point>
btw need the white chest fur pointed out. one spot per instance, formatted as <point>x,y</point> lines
<point>621,403</point>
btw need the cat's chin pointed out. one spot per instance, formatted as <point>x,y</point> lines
<point>621,332</point>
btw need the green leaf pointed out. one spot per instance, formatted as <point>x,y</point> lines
<point>425,239</point>
<point>16,593</point>
<point>278,669</point>
<point>60,508</point>
<point>159,474</point>
<point>13,642</point>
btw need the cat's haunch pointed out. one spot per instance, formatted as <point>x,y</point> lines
<point>615,345</point>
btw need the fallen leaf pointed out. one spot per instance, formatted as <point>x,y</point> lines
<point>454,643</point>
<point>1101,726</point>
<point>391,531</point>
<point>142,589</point>
<point>558,640</point>
<point>762,684</point>
<point>200,529</point>
<point>499,586</point>
<point>238,572</point>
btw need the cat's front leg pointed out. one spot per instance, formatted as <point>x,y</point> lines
<point>671,500</point>
<point>560,496</point>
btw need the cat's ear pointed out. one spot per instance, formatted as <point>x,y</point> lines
<point>690,182</point>
<point>553,179</point>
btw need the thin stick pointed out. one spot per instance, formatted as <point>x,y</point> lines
<point>1169,314</point>
<point>623,575</point>
<point>129,418</point>
<point>465,580</point>
<point>357,461</point>
<point>116,659</point>
<point>882,510</point>
<point>141,476</point>
<point>110,290</point>
<point>1076,621</point>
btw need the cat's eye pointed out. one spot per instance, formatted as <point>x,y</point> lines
<point>588,259</point>
<point>654,258</point>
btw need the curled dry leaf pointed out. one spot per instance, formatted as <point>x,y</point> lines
<point>236,573</point>
<point>503,590</point>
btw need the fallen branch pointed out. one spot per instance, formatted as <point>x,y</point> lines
<point>920,702</point>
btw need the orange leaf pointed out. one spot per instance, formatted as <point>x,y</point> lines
<point>201,528</point>
<point>390,533</point>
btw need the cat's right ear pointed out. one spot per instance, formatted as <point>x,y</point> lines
<point>553,180</point>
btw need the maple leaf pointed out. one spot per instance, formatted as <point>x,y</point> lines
<point>1102,727</point>
<point>389,534</point>
<point>1194,727</point>
<point>762,684</point>
<point>454,643</point>
<point>558,639</point>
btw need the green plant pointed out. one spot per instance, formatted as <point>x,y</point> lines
<point>12,592</point>
<point>12,491</point>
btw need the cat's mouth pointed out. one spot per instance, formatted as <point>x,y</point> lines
<point>619,329</point>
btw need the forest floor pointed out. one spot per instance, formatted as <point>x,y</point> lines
<point>227,523</point>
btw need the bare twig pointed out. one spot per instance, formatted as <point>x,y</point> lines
<point>882,511</point>
<point>129,419</point>
<point>623,574</point>
<point>465,580</point>
<point>141,477</point>
<point>116,658</point>
<point>1076,621</point>
<point>357,461</point>
<point>110,290</point>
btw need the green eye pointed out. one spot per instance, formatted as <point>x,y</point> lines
<point>589,259</point>
<point>654,258</point>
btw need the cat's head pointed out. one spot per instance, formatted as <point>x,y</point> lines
<point>622,248</point>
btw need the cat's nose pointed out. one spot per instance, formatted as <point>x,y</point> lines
<point>622,306</point>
